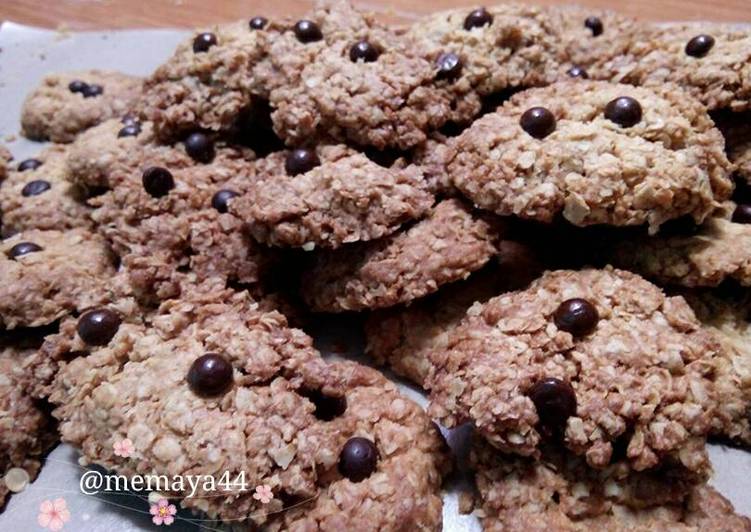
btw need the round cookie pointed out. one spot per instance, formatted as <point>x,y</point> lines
<point>164,224</point>
<point>446,246</point>
<point>65,104</point>
<point>273,410</point>
<point>206,89</point>
<point>26,430</point>
<point>599,358</point>
<point>497,48</point>
<point>42,198</point>
<point>141,379</point>
<point>563,150</point>
<point>403,337</point>
<point>716,71</point>
<point>561,493</point>
<point>48,274</point>
<point>362,83</point>
<point>341,201</point>
<point>590,37</point>
<point>295,44</point>
<point>404,490</point>
<point>103,157</point>
<point>702,256</point>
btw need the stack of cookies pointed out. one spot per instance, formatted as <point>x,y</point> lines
<point>540,216</point>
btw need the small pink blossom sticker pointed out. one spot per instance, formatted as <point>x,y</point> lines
<point>123,448</point>
<point>263,494</point>
<point>163,512</point>
<point>53,514</point>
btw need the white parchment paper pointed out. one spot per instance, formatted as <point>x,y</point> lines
<point>26,55</point>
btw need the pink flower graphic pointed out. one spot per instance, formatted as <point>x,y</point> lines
<point>163,512</point>
<point>53,514</point>
<point>123,448</point>
<point>263,494</point>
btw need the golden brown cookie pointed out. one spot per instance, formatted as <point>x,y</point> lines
<point>65,104</point>
<point>595,153</point>
<point>592,356</point>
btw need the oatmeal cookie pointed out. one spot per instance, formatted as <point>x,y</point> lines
<point>65,104</point>
<point>561,493</point>
<point>168,222</point>
<point>403,337</point>
<point>211,384</point>
<point>363,83</point>
<point>702,256</point>
<point>404,491</point>
<point>347,200</point>
<point>111,152</point>
<point>142,376</point>
<point>595,152</point>
<point>208,83</point>
<point>446,246</point>
<point>493,49</point>
<point>591,37</point>
<point>26,429</point>
<point>48,274</point>
<point>710,61</point>
<point>40,197</point>
<point>597,357</point>
<point>727,316</point>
